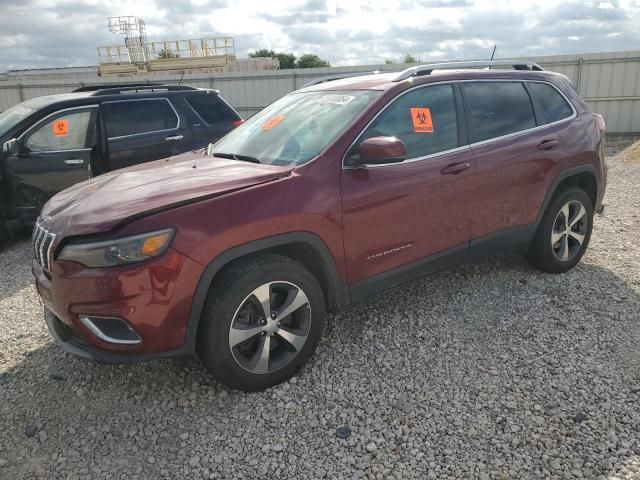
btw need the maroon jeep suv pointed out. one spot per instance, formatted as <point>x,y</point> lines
<point>335,192</point>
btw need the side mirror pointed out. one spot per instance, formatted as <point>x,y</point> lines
<point>381,150</point>
<point>11,147</point>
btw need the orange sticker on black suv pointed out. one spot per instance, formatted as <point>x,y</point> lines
<point>61,128</point>
<point>273,122</point>
<point>422,122</point>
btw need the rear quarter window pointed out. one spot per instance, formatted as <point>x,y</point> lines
<point>497,109</point>
<point>211,108</point>
<point>553,105</point>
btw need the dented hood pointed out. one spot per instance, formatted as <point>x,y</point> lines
<point>101,203</point>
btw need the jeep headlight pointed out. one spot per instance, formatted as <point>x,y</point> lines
<point>119,251</point>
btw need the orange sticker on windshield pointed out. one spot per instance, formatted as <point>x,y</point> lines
<point>61,128</point>
<point>421,118</point>
<point>273,122</point>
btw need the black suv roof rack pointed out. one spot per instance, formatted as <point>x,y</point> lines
<point>338,76</point>
<point>419,70</point>
<point>108,90</point>
<point>93,88</point>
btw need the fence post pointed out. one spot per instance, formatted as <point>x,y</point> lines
<point>293,77</point>
<point>20,93</point>
<point>579,79</point>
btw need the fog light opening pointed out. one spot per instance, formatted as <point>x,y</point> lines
<point>111,330</point>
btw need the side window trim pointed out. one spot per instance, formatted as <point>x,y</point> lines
<point>528,130</point>
<point>537,111</point>
<point>177,127</point>
<point>461,146</point>
<point>461,116</point>
<point>43,120</point>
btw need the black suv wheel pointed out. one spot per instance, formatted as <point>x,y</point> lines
<point>4,232</point>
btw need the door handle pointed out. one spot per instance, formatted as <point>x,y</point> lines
<point>547,144</point>
<point>455,168</point>
<point>174,138</point>
<point>74,161</point>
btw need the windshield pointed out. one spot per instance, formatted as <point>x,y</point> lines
<point>11,117</point>
<point>294,129</point>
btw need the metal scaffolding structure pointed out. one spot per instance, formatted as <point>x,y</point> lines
<point>139,55</point>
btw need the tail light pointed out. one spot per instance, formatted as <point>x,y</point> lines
<point>237,123</point>
<point>602,126</point>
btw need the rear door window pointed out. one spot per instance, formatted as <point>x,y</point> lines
<point>211,108</point>
<point>424,119</point>
<point>497,109</point>
<point>553,105</point>
<point>135,117</point>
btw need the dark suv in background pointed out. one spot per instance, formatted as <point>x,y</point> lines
<point>53,142</point>
<point>331,194</point>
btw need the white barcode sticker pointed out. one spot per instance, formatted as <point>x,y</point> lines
<point>337,99</point>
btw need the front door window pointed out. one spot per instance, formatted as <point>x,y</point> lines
<point>63,131</point>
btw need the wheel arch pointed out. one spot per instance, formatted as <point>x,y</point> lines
<point>583,176</point>
<point>303,247</point>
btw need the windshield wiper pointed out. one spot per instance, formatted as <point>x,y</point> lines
<point>234,156</point>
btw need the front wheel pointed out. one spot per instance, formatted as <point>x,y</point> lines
<point>564,232</point>
<point>262,322</point>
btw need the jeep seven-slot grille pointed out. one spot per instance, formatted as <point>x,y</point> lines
<point>42,241</point>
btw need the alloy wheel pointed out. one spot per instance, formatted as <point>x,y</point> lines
<point>270,327</point>
<point>569,230</point>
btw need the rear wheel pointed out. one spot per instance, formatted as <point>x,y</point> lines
<point>564,232</point>
<point>262,322</point>
<point>4,231</point>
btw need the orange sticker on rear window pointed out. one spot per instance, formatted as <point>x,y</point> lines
<point>61,128</point>
<point>421,118</point>
<point>273,122</point>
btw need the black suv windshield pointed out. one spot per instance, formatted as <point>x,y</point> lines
<point>11,117</point>
<point>294,129</point>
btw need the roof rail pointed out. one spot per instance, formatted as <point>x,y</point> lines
<point>93,88</point>
<point>139,89</point>
<point>419,70</point>
<point>338,76</point>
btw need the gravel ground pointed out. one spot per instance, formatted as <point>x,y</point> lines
<point>493,370</point>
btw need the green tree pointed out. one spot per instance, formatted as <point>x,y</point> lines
<point>389,62</point>
<point>309,60</point>
<point>287,60</point>
<point>263,53</point>
<point>410,59</point>
<point>166,53</point>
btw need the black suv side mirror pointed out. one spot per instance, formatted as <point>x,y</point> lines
<point>11,147</point>
<point>380,150</point>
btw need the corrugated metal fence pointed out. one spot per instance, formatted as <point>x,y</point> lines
<point>609,82</point>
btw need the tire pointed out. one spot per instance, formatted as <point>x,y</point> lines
<point>234,330</point>
<point>4,232</point>
<point>557,245</point>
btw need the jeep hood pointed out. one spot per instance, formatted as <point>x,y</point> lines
<point>99,204</point>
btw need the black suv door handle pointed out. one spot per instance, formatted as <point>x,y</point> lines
<point>547,144</point>
<point>455,168</point>
<point>175,138</point>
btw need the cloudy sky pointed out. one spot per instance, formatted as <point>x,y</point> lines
<point>46,33</point>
